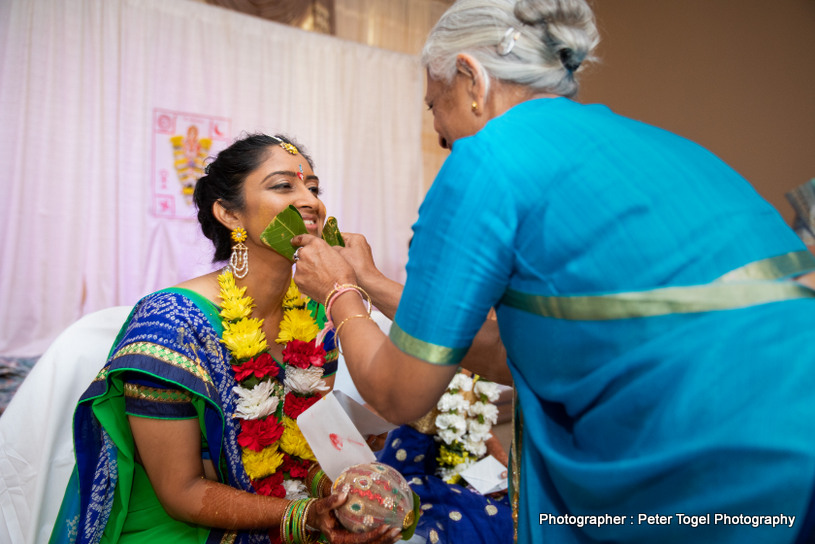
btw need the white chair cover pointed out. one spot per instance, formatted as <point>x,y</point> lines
<point>36,439</point>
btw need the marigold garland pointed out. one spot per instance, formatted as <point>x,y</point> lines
<point>275,454</point>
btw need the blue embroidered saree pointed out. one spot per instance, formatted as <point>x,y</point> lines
<point>172,337</point>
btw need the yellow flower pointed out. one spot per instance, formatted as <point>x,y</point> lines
<point>238,235</point>
<point>293,442</point>
<point>235,312</point>
<point>297,324</point>
<point>293,298</point>
<point>234,306</point>
<point>259,464</point>
<point>245,338</point>
<point>451,458</point>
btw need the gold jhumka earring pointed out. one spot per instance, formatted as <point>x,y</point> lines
<point>239,260</point>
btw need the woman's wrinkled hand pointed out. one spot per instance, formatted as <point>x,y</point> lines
<point>319,267</point>
<point>321,517</point>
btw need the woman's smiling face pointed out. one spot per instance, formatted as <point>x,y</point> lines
<point>281,180</point>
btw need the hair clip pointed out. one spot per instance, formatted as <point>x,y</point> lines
<point>288,147</point>
<point>506,44</point>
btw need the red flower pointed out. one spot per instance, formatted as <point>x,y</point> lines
<point>256,434</point>
<point>260,366</point>
<point>271,486</point>
<point>295,468</point>
<point>293,405</point>
<point>303,354</point>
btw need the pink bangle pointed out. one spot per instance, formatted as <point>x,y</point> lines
<point>339,290</point>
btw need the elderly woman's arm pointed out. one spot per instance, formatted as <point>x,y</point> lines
<point>398,386</point>
<point>486,357</point>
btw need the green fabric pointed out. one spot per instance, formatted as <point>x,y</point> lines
<point>136,508</point>
<point>137,515</point>
<point>148,523</point>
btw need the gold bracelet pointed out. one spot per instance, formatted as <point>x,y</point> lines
<point>302,532</point>
<point>337,330</point>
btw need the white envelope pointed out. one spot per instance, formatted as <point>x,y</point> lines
<point>366,422</point>
<point>335,441</point>
<point>486,476</point>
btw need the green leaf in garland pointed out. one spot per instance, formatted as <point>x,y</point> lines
<point>285,226</point>
<point>331,233</point>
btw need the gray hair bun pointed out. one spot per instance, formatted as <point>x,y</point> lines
<point>567,28</point>
<point>539,44</point>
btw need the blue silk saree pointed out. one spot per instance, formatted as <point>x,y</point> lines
<point>663,359</point>
<point>451,513</point>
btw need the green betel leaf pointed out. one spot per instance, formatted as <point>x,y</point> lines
<point>331,233</point>
<point>285,226</point>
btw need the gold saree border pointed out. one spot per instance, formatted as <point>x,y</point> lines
<point>751,285</point>
<point>165,355</point>
<point>780,266</point>
<point>431,353</point>
<point>515,462</point>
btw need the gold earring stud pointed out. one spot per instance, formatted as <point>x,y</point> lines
<point>474,106</point>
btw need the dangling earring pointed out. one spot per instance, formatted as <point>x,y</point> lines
<point>475,106</point>
<point>239,260</point>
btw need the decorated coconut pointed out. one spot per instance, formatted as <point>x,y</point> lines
<point>377,495</point>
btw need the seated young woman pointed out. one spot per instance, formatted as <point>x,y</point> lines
<point>189,434</point>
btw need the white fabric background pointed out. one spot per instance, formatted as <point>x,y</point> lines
<point>79,82</point>
<point>35,466</point>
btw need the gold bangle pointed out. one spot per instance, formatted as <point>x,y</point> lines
<point>337,330</point>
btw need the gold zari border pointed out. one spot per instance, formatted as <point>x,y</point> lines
<point>781,266</point>
<point>154,394</point>
<point>729,292</point>
<point>432,353</point>
<point>165,355</point>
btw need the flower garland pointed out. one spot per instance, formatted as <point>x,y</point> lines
<point>466,415</point>
<point>275,455</point>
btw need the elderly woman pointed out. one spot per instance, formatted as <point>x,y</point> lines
<point>660,348</point>
<point>188,433</point>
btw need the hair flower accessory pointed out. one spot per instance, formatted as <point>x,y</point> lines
<point>289,148</point>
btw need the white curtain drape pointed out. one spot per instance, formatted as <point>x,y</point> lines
<point>91,91</point>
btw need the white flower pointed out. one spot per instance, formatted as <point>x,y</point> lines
<point>448,436</point>
<point>462,382</point>
<point>488,411</point>
<point>476,447</point>
<point>445,473</point>
<point>295,489</point>
<point>484,387</point>
<point>305,380</point>
<point>452,402</point>
<point>450,427</point>
<point>452,421</point>
<point>476,428</point>
<point>260,401</point>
